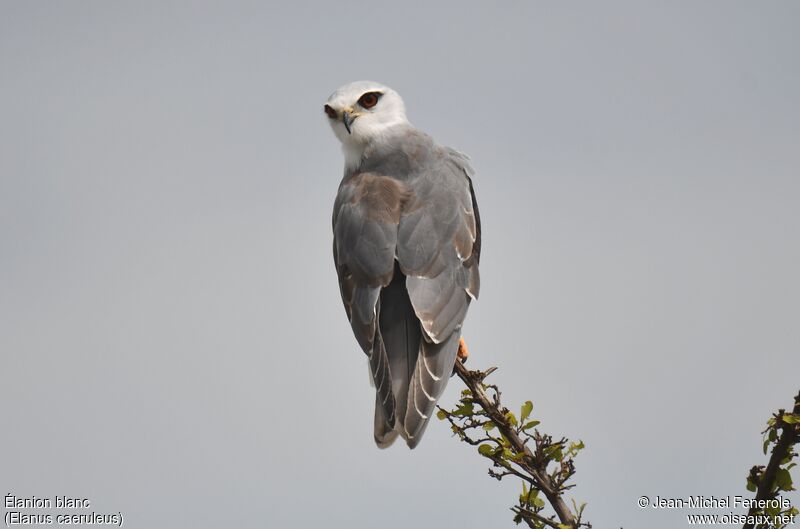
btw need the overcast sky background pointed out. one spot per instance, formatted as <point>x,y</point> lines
<point>173,343</point>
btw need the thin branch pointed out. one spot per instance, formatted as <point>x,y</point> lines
<point>551,489</point>
<point>539,517</point>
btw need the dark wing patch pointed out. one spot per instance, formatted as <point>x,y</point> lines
<point>474,283</point>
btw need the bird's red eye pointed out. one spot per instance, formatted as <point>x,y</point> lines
<point>370,99</point>
<point>330,111</point>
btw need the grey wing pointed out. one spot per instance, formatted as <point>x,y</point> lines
<point>365,220</point>
<point>438,248</point>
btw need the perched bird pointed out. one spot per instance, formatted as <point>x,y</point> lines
<point>406,244</point>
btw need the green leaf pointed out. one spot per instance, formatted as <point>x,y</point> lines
<point>531,425</point>
<point>464,409</point>
<point>554,452</point>
<point>574,448</point>
<point>751,486</point>
<point>441,415</point>
<point>488,426</point>
<point>526,410</point>
<point>783,480</point>
<point>766,445</point>
<point>791,418</point>
<point>512,420</point>
<point>531,497</point>
<point>486,450</point>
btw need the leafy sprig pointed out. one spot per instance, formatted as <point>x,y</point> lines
<point>516,447</point>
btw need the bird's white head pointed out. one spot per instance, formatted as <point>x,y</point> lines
<point>362,111</point>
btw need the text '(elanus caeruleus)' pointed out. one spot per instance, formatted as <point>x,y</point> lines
<point>407,238</point>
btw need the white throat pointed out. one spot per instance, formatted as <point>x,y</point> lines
<point>352,155</point>
<point>354,146</point>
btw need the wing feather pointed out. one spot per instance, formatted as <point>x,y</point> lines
<point>438,249</point>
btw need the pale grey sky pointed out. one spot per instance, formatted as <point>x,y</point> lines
<point>173,344</point>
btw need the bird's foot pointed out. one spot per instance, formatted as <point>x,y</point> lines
<point>463,352</point>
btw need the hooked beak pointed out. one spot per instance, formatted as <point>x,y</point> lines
<point>348,118</point>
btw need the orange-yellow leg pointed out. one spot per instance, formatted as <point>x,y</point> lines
<point>463,352</point>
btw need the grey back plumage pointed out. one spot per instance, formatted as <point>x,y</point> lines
<point>406,248</point>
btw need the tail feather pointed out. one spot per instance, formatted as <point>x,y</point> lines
<point>418,368</point>
<point>401,336</point>
<point>385,434</point>
<point>433,369</point>
<point>382,378</point>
